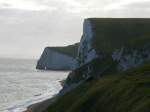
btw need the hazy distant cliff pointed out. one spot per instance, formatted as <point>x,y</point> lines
<point>58,58</point>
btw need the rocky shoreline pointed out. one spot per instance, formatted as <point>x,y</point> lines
<point>39,107</point>
<point>42,106</point>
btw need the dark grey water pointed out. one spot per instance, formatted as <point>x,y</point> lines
<point>21,84</point>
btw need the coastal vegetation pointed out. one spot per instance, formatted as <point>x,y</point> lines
<point>123,92</point>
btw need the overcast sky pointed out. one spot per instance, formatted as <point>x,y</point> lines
<point>27,26</point>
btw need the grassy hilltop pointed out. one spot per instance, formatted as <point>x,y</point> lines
<point>113,33</point>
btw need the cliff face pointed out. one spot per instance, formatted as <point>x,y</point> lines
<point>86,52</point>
<point>111,45</point>
<point>116,38</point>
<point>55,60</point>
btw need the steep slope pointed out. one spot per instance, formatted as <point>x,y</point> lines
<point>58,58</point>
<point>122,92</point>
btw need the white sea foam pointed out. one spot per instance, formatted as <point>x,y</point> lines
<point>21,85</point>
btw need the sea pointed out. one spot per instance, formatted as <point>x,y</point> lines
<point>22,85</point>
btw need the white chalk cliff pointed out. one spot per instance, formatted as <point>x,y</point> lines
<point>86,53</point>
<point>133,59</point>
<point>54,60</point>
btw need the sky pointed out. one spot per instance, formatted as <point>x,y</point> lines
<point>28,26</point>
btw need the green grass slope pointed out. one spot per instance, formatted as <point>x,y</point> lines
<point>123,92</point>
<point>70,50</point>
<point>114,33</point>
<point>98,68</point>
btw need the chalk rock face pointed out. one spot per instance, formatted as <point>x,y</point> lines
<point>86,53</point>
<point>54,60</point>
<point>133,59</point>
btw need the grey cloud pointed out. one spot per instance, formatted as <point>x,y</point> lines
<point>25,33</point>
<point>31,31</point>
<point>135,10</point>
